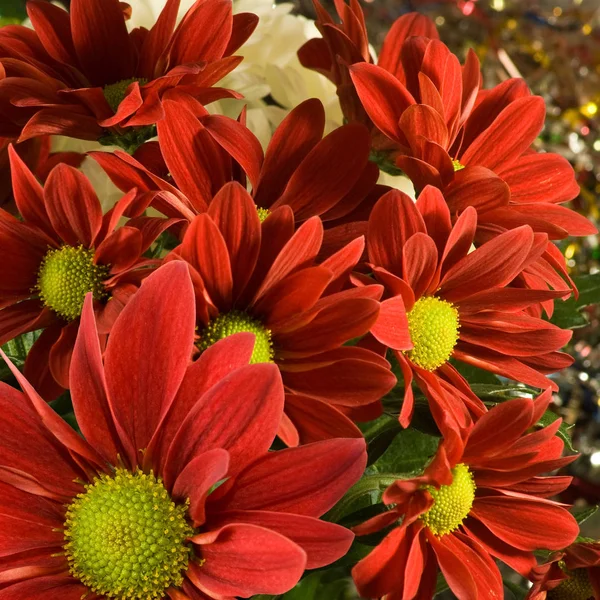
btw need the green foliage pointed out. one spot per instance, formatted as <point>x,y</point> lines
<point>567,314</point>
<point>12,11</point>
<point>16,350</point>
<point>563,431</point>
<point>514,592</point>
<point>332,584</point>
<point>583,514</point>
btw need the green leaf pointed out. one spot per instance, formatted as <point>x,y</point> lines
<point>583,514</point>
<point>474,374</point>
<point>502,392</point>
<point>563,431</point>
<point>12,11</point>
<point>518,593</point>
<point>408,454</point>
<point>567,314</point>
<point>362,494</point>
<point>379,434</point>
<point>17,350</point>
<point>333,584</point>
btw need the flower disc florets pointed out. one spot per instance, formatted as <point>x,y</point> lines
<point>457,165</point>
<point>125,537</point>
<point>451,503</point>
<point>66,275</point>
<point>577,587</point>
<point>433,325</point>
<point>263,213</point>
<point>234,322</point>
<point>115,92</point>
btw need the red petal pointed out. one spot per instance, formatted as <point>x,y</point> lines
<point>234,212</point>
<point>240,414</point>
<point>540,177</point>
<point>101,41</point>
<point>54,587</point>
<point>307,480</point>
<point>245,560</point>
<point>328,172</point>
<point>28,193</point>
<point>323,542</point>
<point>408,25</point>
<point>419,264</point>
<point>383,97</point>
<point>523,522</point>
<point>479,187</point>
<point>89,393</point>
<point>391,327</point>
<point>512,132</point>
<point>203,34</point>
<point>196,480</point>
<point>316,421</point>
<point>295,137</point>
<point>298,252</point>
<point>205,249</point>
<point>393,220</point>
<point>239,142</point>
<point>421,120</point>
<point>158,324</point>
<point>53,28</point>
<point>61,121</point>
<point>495,263</point>
<point>72,205</point>
<point>157,40</point>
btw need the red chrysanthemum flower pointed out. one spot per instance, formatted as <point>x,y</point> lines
<point>171,493</point>
<point>62,249</point>
<point>573,574</point>
<point>265,279</point>
<point>481,497</point>
<point>444,301</point>
<point>328,177</point>
<point>347,43</point>
<point>81,74</point>
<point>430,119</point>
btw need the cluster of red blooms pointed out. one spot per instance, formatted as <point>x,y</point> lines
<point>292,287</point>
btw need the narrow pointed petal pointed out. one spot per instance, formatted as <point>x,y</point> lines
<point>72,205</point>
<point>307,480</point>
<point>383,97</point>
<point>158,324</point>
<point>391,327</point>
<point>101,41</point>
<point>245,560</point>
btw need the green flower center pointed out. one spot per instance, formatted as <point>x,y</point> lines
<point>115,92</point>
<point>451,503</point>
<point>263,213</point>
<point>577,587</point>
<point>66,275</point>
<point>457,166</point>
<point>126,539</point>
<point>433,325</point>
<point>237,321</point>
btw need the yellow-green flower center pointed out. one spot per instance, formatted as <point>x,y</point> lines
<point>263,213</point>
<point>457,166</point>
<point>433,325</point>
<point>237,321</point>
<point>451,503</point>
<point>115,92</point>
<point>126,539</point>
<point>66,275</point>
<point>577,587</point>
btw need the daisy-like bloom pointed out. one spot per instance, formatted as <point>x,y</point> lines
<point>264,278</point>
<point>431,120</point>
<point>347,43</point>
<point>443,301</point>
<point>329,177</point>
<point>482,496</point>
<point>62,249</point>
<point>171,492</point>
<point>81,74</point>
<point>573,574</point>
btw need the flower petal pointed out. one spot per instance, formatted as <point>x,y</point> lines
<point>149,350</point>
<point>307,480</point>
<point>245,560</point>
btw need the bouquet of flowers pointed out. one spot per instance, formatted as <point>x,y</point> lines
<point>240,359</point>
